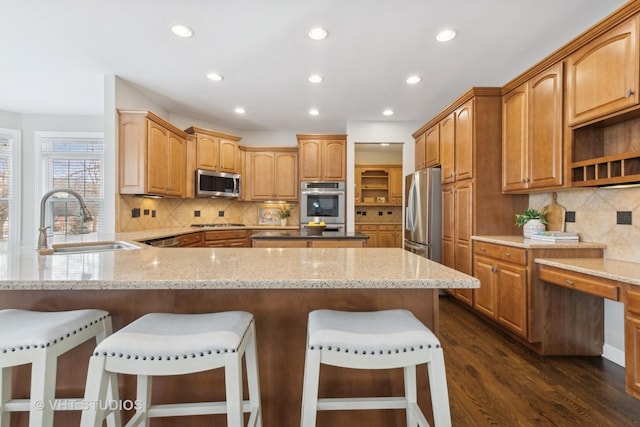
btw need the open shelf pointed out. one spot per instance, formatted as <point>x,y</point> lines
<point>621,168</point>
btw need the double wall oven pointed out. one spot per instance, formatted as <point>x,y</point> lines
<point>323,201</point>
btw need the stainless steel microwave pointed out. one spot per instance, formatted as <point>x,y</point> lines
<point>217,184</point>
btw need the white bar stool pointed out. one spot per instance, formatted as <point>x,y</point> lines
<point>39,338</point>
<point>374,340</point>
<point>177,344</point>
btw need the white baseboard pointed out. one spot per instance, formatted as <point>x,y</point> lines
<point>613,354</point>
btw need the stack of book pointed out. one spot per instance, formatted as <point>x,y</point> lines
<point>555,236</point>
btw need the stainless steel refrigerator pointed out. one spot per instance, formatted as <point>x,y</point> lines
<point>423,213</point>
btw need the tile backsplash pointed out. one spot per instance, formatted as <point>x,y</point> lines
<point>171,213</point>
<point>378,214</point>
<point>596,213</point>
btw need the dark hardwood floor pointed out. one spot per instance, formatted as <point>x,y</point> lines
<point>494,381</point>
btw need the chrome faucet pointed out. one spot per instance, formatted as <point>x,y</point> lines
<point>84,211</point>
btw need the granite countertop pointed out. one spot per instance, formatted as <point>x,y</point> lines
<point>22,268</point>
<point>303,235</point>
<point>141,236</point>
<point>621,271</point>
<point>521,242</point>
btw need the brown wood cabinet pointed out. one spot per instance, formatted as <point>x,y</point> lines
<point>227,239</point>
<point>396,179</point>
<point>310,243</point>
<point>456,139</point>
<point>420,152</point>
<point>271,174</point>
<point>152,155</point>
<point>374,183</point>
<point>216,151</point>
<point>632,340</point>
<point>427,151</point>
<point>381,235</point>
<point>532,133</point>
<point>322,157</point>
<point>191,240</point>
<point>603,75</point>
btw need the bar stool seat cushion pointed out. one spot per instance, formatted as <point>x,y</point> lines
<point>379,332</point>
<point>24,329</point>
<point>170,336</point>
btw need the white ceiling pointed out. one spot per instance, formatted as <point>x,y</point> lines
<point>53,55</point>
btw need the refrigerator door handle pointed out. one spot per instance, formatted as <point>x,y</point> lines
<point>410,221</point>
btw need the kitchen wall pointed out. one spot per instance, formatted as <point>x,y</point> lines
<point>595,210</point>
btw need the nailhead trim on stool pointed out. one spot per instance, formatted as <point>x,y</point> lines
<point>384,339</point>
<point>176,344</point>
<point>38,338</point>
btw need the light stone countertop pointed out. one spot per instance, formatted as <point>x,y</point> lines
<point>224,268</point>
<point>621,271</point>
<point>521,242</point>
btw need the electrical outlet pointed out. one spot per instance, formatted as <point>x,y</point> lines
<point>379,213</point>
<point>623,217</point>
<point>389,213</point>
<point>146,212</point>
<point>220,213</point>
<point>364,213</point>
<point>570,216</point>
<point>135,213</point>
<point>196,213</point>
<point>153,213</point>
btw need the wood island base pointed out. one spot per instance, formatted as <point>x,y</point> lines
<point>281,321</point>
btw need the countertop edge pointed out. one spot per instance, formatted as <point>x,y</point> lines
<point>521,242</point>
<point>598,267</point>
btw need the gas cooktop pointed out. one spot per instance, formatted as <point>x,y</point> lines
<point>216,225</point>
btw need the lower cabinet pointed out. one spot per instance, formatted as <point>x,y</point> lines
<point>381,235</point>
<point>227,239</point>
<point>503,292</point>
<point>632,341</point>
<point>191,240</point>
<point>311,243</point>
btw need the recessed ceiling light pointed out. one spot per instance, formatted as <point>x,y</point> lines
<point>315,78</point>
<point>445,35</point>
<point>215,77</point>
<point>387,112</point>
<point>240,110</point>
<point>318,33</point>
<point>384,144</point>
<point>314,112</point>
<point>413,80</point>
<point>182,30</point>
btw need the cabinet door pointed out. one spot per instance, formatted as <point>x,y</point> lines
<point>447,146</point>
<point>545,129</point>
<point>448,225</point>
<point>514,139</point>
<point>207,151</point>
<point>229,156</point>
<point>484,299</point>
<point>311,160</point>
<point>286,176</point>
<point>357,192</point>
<point>463,226</point>
<point>603,75</point>
<point>176,165</point>
<point>395,185</point>
<point>432,144</point>
<point>386,236</point>
<point>463,151</point>
<point>262,176</point>
<point>157,158</point>
<point>334,165</point>
<point>512,297</point>
<point>632,342</point>
<point>420,153</point>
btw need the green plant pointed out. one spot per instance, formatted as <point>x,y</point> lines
<point>283,212</point>
<point>529,214</point>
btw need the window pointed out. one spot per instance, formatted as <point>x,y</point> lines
<point>73,161</point>
<point>9,184</point>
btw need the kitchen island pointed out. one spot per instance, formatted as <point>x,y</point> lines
<point>279,286</point>
<point>304,239</point>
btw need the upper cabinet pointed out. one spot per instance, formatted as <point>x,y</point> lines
<point>428,148</point>
<point>272,174</point>
<point>152,155</point>
<point>322,157</point>
<point>532,133</point>
<point>456,142</point>
<point>421,152</point>
<point>378,184</point>
<point>602,76</point>
<point>216,151</point>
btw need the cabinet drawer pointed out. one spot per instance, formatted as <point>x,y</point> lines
<point>580,282</point>
<point>368,227</point>
<point>504,253</point>
<point>190,239</point>
<point>632,305</point>
<point>387,227</point>
<point>225,235</point>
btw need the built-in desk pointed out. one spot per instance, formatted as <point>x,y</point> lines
<point>604,278</point>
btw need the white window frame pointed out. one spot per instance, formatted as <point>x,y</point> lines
<point>16,179</point>
<point>42,185</point>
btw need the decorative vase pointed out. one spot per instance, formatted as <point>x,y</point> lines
<point>283,222</point>
<point>533,226</point>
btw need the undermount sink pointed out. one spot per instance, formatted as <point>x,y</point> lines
<point>84,247</point>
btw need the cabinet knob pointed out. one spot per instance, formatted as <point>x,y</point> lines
<point>630,93</point>
<point>507,254</point>
<point>569,282</point>
<point>483,250</point>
